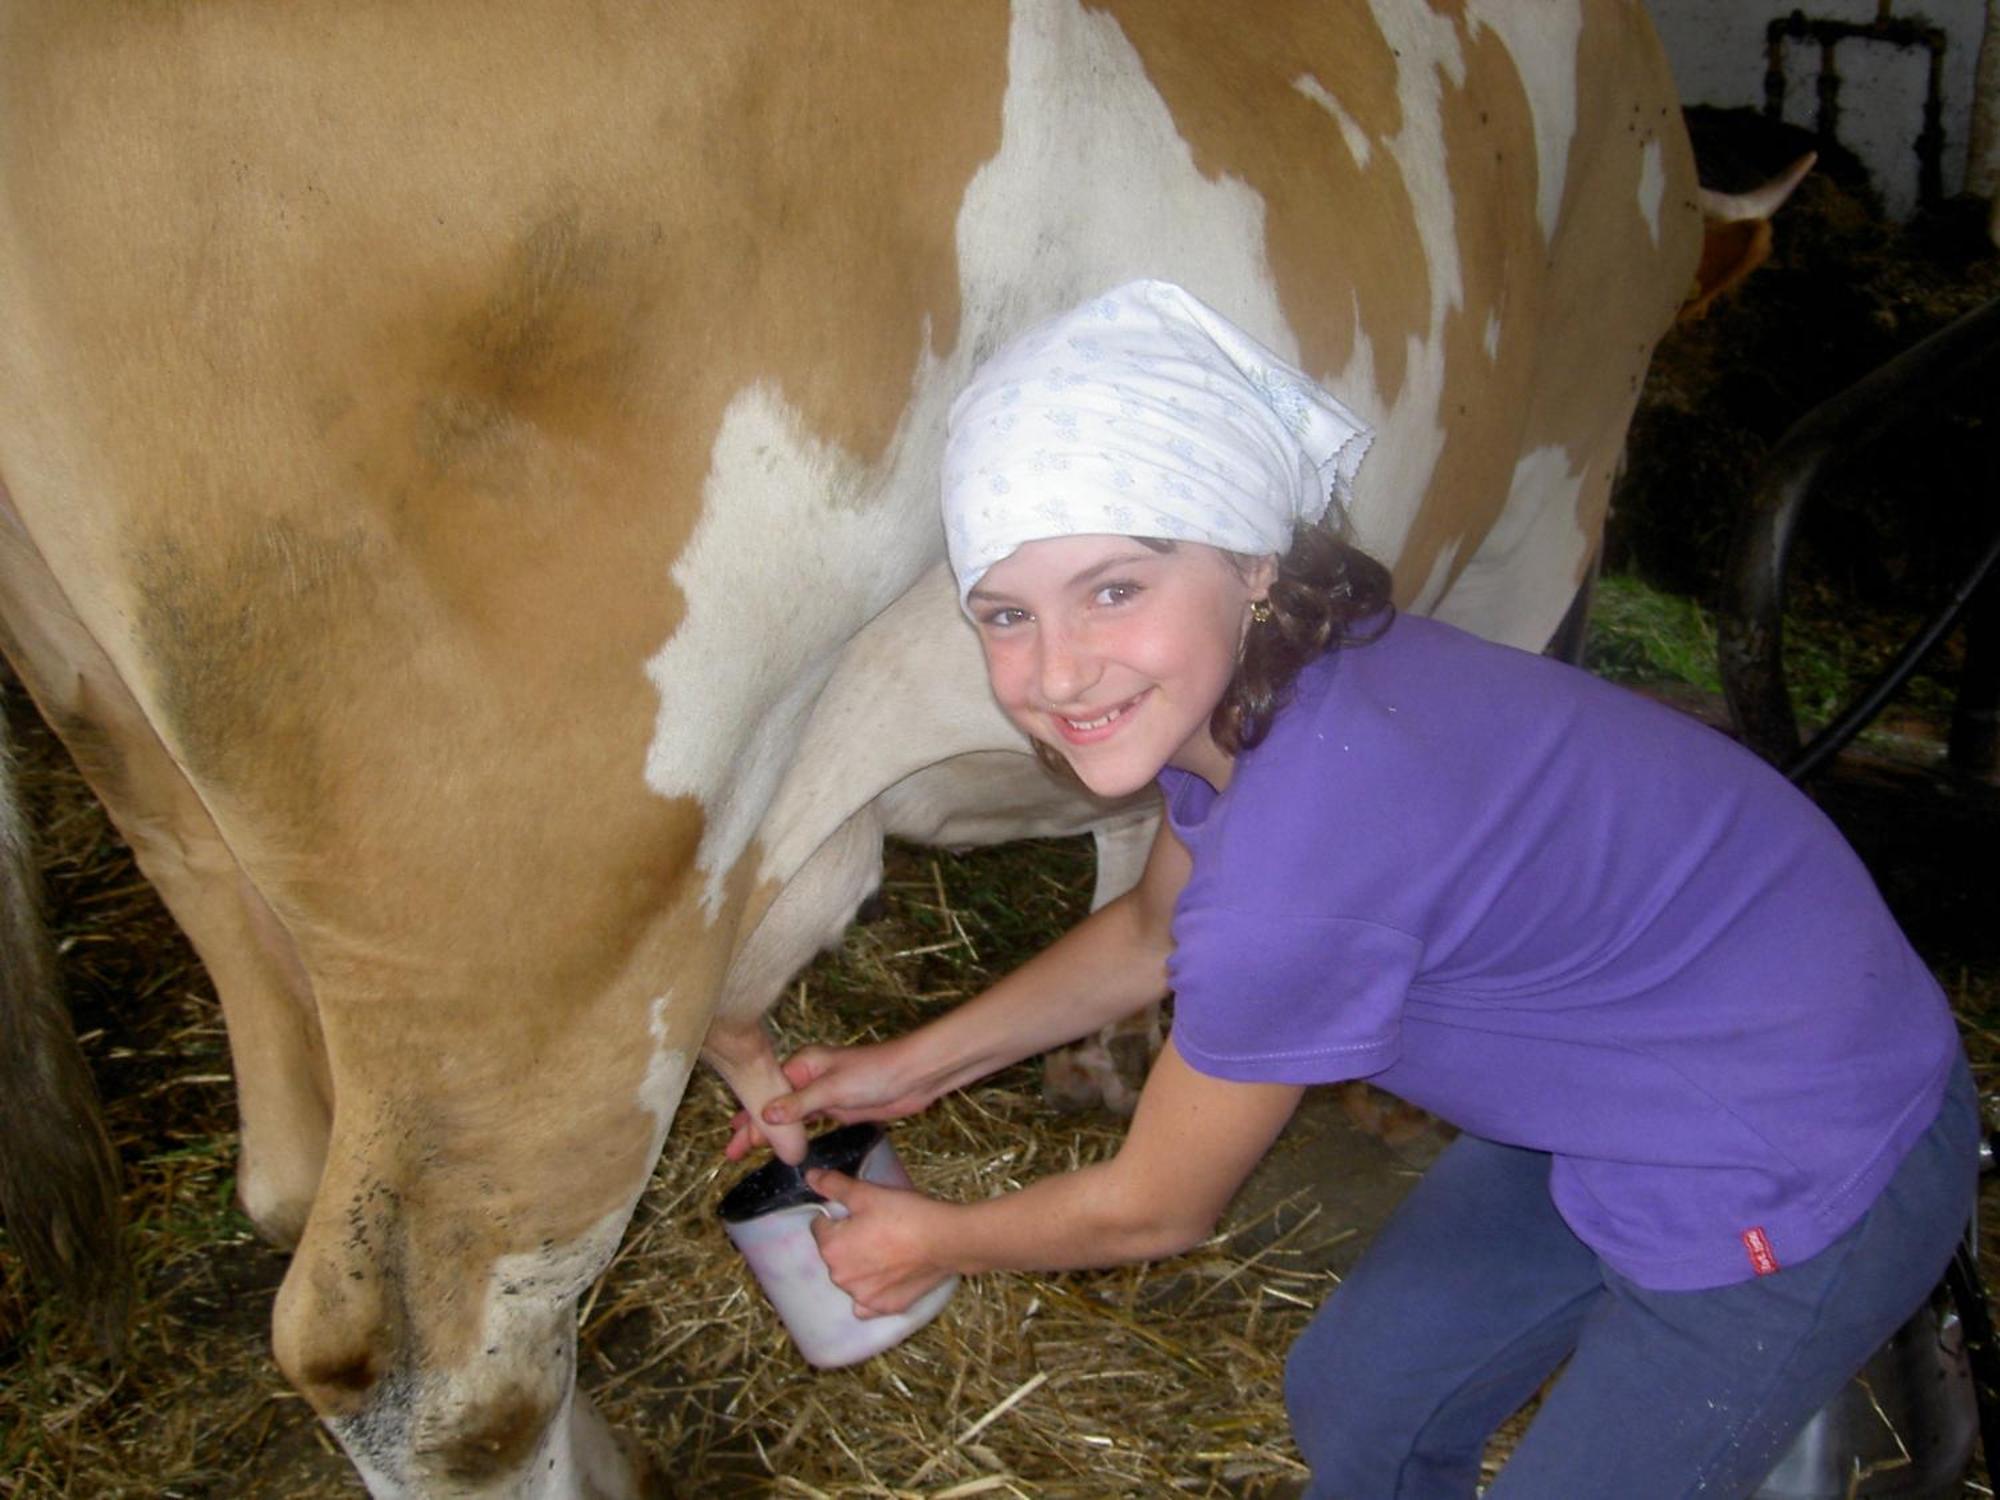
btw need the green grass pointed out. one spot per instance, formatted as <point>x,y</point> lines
<point>1641,636</point>
<point>1646,638</point>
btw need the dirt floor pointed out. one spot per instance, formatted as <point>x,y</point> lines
<point>1107,1385</point>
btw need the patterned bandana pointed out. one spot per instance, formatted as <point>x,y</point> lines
<point>1141,413</point>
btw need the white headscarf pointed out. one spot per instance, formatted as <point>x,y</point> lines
<point>1143,412</point>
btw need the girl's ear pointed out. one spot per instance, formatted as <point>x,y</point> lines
<point>1260,575</point>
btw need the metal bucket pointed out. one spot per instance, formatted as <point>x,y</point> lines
<point>1903,1429</point>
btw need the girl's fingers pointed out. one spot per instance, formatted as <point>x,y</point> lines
<point>804,1065</point>
<point>836,1187</point>
<point>802,1103</point>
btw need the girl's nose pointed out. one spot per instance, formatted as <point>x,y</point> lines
<point>1069,668</point>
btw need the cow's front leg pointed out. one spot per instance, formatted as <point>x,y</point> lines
<point>471,1198</point>
<point>741,1052</point>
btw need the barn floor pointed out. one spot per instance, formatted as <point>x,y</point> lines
<point>1122,1383</point>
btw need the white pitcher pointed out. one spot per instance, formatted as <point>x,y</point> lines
<point>768,1217</point>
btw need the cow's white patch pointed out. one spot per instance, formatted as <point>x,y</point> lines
<point>527,1341</point>
<point>379,1485</point>
<point>799,543</point>
<point>521,1285</point>
<point>1534,554</point>
<point>1350,128</point>
<point>1129,200</point>
<point>1652,186</point>
<point>1542,39</point>
<point>1437,581</point>
<point>666,1072</point>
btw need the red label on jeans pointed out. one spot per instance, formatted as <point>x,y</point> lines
<point>1762,1261</point>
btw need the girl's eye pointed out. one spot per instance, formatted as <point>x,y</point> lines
<point>1001,618</point>
<point>1118,593</point>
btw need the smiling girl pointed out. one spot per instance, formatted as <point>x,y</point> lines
<point>1718,1134</point>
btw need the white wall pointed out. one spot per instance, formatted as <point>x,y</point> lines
<point>1718,53</point>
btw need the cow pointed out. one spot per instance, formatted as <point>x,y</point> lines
<point>470,483</point>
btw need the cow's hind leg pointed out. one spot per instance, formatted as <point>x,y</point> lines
<point>283,1094</point>
<point>1106,1071</point>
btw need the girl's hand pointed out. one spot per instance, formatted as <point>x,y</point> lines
<point>846,1084</point>
<point>880,1254</point>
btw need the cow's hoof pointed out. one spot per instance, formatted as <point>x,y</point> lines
<point>1086,1077</point>
<point>1414,1134</point>
<point>648,1479</point>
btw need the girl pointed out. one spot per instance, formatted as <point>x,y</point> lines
<point>1718,1134</point>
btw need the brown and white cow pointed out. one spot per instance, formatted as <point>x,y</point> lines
<point>471,471</point>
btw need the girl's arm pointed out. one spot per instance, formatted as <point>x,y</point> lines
<point>1109,965</point>
<point>1192,1143</point>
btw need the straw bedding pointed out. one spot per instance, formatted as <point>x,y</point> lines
<point>1144,1381</point>
<point>1128,1382</point>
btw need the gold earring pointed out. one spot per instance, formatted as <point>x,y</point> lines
<point>1260,612</point>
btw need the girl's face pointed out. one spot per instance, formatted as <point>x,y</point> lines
<point>1115,653</point>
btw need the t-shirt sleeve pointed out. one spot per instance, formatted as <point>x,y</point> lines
<point>1280,998</point>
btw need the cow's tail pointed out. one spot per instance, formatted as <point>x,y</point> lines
<point>58,1173</point>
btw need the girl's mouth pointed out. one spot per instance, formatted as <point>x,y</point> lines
<point>1084,731</point>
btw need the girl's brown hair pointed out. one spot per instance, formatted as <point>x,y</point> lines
<point>1328,594</point>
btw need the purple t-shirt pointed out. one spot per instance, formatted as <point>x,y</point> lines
<point>1561,917</point>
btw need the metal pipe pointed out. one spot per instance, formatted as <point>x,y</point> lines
<point>1894,31</point>
<point>1845,726</point>
<point>1982,1347</point>
<point>1750,644</point>
<point>1974,747</point>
